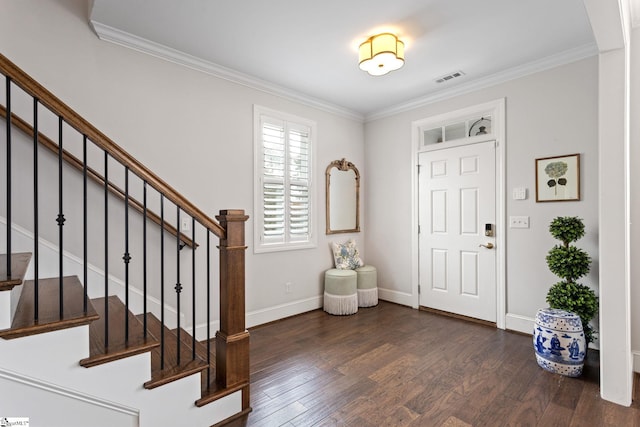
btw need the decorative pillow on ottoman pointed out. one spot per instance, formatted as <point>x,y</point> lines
<point>346,255</point>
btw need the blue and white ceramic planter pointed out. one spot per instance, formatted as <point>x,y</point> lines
<point>559,342</point>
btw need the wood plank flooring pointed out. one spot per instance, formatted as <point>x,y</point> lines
<point>393,366</point>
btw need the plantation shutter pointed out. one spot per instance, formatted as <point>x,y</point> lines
<point>285,181</point>
<point>299,179</point>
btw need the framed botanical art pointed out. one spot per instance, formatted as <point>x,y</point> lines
<point>558,178</point>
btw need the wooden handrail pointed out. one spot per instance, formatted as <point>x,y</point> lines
<point>92,174</point>
<point>232,339</point>
<point>59,108</point>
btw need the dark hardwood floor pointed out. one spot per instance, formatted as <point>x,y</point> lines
<point>393,366</point>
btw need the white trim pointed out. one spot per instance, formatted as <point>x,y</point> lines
<point>394,296</point>
<point>497,109</point>
<point>201,330</point>
<point>260,317</point>
<point>500,132</point>
<point>614,80</point>
<point>266,315</point>
<point>518,323</point>
<point>63,391</point>
<point>122,38</point>
<point>562,58</point>
<point>125,39</point>
<point>258,246</point>
<point>416,137</point>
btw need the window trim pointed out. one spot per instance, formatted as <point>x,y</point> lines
<point>259,245</point>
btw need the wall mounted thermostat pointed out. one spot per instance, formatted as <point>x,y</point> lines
<point>520,193</point>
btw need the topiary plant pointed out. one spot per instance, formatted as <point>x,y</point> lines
<point>570,263</point>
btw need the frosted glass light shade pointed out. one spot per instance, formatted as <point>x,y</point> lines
<point>381,53</point>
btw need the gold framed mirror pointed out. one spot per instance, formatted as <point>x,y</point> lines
<point>343,197</point>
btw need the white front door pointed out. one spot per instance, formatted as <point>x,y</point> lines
<point>457,199</point>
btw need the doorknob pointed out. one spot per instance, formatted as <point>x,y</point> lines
<point>488,246</point>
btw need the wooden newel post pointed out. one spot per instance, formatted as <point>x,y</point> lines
<point>232,340</point>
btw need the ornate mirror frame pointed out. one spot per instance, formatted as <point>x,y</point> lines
<point>344,166</point>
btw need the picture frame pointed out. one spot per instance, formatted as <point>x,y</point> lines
<point>558,178</point>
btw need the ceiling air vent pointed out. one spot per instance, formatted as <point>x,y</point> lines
<point>449,76</point>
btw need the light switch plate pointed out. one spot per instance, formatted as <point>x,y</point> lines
<point>518,222</point>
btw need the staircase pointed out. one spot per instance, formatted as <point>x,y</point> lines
<point>84,341</point>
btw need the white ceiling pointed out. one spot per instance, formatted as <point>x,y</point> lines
<point>307,49</point>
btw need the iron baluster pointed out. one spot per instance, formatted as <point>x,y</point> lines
<point>161,281</point>
<point>193,290</point>
<point>8,164</point>
<point>36,254</point>
<point>106,249</point>
<point>208,308</point>
<point>85,244</point>
<point>60,218</point>
<point>127,256</point>
<point>178,287</point>
<point>144,257</point>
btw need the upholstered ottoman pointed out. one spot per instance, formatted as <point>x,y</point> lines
<point>367,286</point>
<point>340,291</point>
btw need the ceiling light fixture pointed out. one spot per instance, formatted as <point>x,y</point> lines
<point>381,53</point>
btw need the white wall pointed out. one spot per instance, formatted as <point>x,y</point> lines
<point>190,128</point>
<point>549,113</point>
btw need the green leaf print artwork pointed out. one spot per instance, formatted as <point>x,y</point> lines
<point>556,170</point>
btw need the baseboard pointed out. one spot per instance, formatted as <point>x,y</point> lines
<point>259,317</point>
<point>267,315</point>
<point>517,323</point>
<point>401,298</point>
<point>271,314</point>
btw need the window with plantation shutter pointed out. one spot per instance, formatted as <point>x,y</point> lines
<point>283,206</point>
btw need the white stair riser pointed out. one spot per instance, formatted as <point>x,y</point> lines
<point>52,358</point>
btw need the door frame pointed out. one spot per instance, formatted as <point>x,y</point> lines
<point>496,109</point>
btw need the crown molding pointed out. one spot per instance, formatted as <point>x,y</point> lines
<point>549,62</point>
<point>122,38</point>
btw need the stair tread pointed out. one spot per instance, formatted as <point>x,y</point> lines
<point>119,347</point>
<point>19,264</point>
<point>172,369</point>
<point>49,318</point>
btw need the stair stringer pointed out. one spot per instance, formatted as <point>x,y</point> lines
<point>52,358</point>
